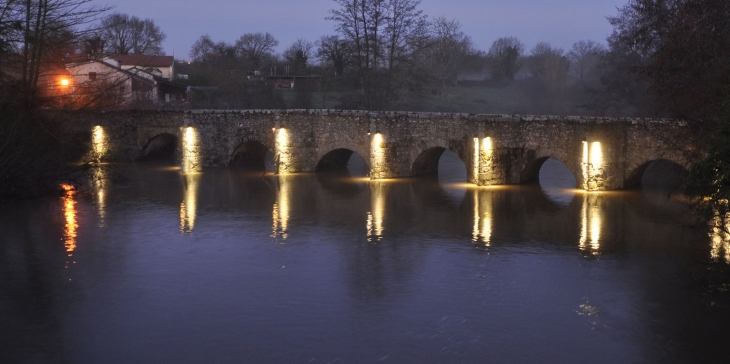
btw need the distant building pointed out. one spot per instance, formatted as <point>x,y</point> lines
<point>160,66</point>
<point>291,81</point>
<point>131,80</point>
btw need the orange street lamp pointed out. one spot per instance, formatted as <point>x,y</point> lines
<point>64,82</point>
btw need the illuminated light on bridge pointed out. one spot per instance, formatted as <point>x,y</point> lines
<point>487,149</point>
<point>99,143</point>
<point>377,156</point>
<point>592,166</point>
<point>475,167</point>
<point>483,159</point>
<point>487,145</point>
<point>191,159</point>
<point>591,221</point>
<point>376,216</point>
<point>189,206</point>
<point>283,151</point>
<point>596,155</point>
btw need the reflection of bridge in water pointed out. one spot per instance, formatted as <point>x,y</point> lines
<point>488,217</point>
<point>601,153</point>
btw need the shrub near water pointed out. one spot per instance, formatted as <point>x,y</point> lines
<point>34,157</point>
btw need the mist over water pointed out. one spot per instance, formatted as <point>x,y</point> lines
<point>152,266</point>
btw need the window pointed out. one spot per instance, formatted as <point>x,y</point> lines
<point>92,76</point>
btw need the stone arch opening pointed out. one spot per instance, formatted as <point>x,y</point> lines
<point>343,160</point>
<point>440,163</point>
<point>554,178</point>
<point>451,169</point>
<point>160,148</point>
<point>657,174</point>
<point>251,156</point>
<point>427,163</point>
<point>549,172</point>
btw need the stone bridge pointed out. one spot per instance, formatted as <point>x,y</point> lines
<point>602,153</point>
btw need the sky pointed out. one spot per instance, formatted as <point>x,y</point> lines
<point>558,22</point>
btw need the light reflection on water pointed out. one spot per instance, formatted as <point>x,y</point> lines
<point>423,293</point>
<point>482,232</point>
<point>720,235</point>
<point>69,212</point>
<point>189,205</point>
<point>375,216</point>
<point>591,216</point>
<point>281,209</point>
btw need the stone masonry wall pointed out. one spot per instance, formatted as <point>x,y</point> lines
<point>602,153</point>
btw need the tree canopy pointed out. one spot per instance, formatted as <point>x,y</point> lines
<point>125,34</point>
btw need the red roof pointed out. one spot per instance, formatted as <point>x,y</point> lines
<point>144,61</point>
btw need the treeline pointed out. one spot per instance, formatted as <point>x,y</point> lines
<point>390,55</point>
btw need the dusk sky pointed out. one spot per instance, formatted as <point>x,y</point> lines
<point>558,22</point>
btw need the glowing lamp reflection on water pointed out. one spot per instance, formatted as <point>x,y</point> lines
<point>720,238</point>
<point>189,206</point>
<point>69,212</point>
<point>482,231</point>
<point>281,210</point>
<point>591,221</point>
<point>375,217</point>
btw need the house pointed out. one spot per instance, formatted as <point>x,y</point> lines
<point>140,81</point>
<point>160,66</point>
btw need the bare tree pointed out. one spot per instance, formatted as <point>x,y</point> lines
<point>405,25</point>
<point>125,34</point>
<point>382,34</point>
<point>505,54</point>
<point>298,55</point>
<point>254,47</point>
<point>37,35</point>
<point>36,38</point>
<point>585,59</point>
<point>335,51</point>
<point>449,50</point>
<point>550,81</point>
<point>203,49</point>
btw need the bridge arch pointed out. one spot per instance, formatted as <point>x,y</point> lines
<point>335,156</point>
<point>426,158</point>
<point>160,147</point>
<point>335,160</point>
<point>664,172</point>
<point>251,155</point>
<point>531,173</point>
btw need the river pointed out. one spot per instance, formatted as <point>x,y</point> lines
<point>148,265</point>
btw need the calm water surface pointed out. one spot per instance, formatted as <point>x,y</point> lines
<point>150,266</point>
